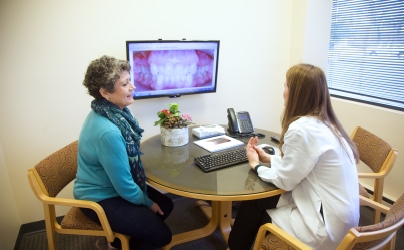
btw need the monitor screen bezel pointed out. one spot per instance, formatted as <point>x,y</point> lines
<point>172,92</point>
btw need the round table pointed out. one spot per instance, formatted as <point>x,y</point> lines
<point>172,169</point>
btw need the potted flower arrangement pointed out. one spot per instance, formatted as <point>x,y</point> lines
<point>173,126</point>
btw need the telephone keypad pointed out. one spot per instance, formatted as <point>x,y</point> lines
<point>246,126</point>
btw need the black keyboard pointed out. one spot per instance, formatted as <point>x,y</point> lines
<point>216,161</point>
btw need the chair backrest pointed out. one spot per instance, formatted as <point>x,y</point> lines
<point>373,151</point>
<point>58,169</point>
<point>378,235</point>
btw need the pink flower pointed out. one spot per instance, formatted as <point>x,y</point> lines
<point>187,117</point>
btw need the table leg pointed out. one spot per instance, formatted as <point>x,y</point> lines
<point>198,233</point>
<point>205,207</point>
<point>225,220</point>
<point>225,215</point>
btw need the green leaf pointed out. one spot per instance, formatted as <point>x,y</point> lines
<point>173,107</point>
<point>161,115</point>
<point>158,122</point>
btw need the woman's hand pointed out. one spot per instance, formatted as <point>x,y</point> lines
<point>256,154</point>
<point>262,155</point>
<point>156,209</point>
<point>252,155</point>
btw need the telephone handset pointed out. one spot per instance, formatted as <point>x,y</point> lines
<point>239,122</point>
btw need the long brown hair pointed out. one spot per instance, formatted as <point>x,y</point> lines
<point>309,96</point>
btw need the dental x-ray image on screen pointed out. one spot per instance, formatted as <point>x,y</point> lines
<point>173,68</point>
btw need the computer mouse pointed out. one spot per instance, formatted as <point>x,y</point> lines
<point>267,148</point>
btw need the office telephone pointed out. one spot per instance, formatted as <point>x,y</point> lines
<point>239,122</point>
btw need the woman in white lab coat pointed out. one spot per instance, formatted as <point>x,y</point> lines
<point>317,168</point>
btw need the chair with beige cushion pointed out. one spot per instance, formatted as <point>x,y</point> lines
<point>377,236</point>
<point>47,179</point>
<point>379,156</point>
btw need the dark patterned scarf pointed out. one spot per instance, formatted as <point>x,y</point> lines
<point>131,132</point>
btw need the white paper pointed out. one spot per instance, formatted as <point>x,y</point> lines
<point>218,143</point>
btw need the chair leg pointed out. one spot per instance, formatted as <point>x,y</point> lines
<point>378,197</point>
<point>50,231</point>
<point>124,240</point>
<point>376,217</point>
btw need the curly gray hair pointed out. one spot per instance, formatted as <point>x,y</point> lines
<point>103,73</point>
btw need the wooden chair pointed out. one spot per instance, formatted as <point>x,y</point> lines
<point>377,236</point>
<point>47,179</point>
<point>379,156</point>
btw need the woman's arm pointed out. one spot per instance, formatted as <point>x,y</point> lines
<point>300,156</point>
<point>113,157</point>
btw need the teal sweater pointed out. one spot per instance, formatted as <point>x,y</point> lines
<point>103,166</point>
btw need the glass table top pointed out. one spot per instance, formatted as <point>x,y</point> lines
<point>174,167</point>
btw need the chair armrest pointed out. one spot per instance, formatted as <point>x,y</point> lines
<point>373,204</point>
<point>73,203</point>
<point>371,175</point>
<point>278,232</point>
<point>39,193</point>
<point>85,204</point>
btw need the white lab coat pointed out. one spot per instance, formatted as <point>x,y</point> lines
<point>315,170</point>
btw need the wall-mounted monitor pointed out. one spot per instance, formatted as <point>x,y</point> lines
<point>173,68</point>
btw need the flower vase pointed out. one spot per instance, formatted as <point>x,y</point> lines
<point>174,137</point>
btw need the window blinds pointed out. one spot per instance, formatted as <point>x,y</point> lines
<point>366,53</point>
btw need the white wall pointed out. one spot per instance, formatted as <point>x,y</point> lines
<point>45,47</point>
<point>10,220</point>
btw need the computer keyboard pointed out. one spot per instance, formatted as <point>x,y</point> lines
<point>216,161</point>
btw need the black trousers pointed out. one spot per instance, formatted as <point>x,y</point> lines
<point>250,216</point>
<point>146,228</point>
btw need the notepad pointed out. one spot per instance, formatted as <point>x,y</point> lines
<point>218,143</point>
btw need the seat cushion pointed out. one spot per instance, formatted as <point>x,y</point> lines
<point>75,219</point>
<point>273,242</point>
